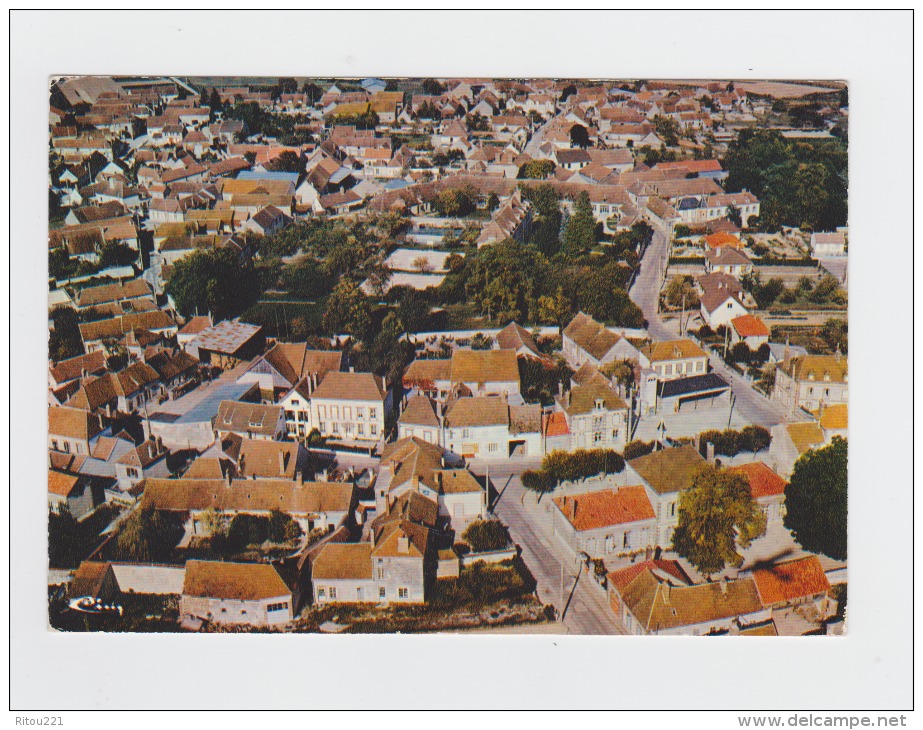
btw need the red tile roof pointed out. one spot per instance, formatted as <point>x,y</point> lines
<point>620,579</point>
<point>715,240</point>
<point>607,507</point>
<point>749,325</point>
<point>556,425</point>
<point>791,580</point>
<point>764,482</point>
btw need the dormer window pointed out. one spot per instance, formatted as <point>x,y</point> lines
<point>599,404</point>
<point>811,375</point>
<point>827,377</point>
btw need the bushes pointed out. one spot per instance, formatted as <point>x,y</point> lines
<point>731,443</point>
<point>562,466</point>
<point>486,535</point>
<point>638,448</point>
<point>482,584</point>
<point>538,481</point>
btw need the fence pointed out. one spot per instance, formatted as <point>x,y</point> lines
<point>494,556</point>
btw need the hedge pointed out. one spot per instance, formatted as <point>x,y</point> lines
<point>731,442</point>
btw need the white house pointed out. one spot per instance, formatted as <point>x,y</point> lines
<point>351,406</point>
<point>824,245</point>
<point>235,593</point>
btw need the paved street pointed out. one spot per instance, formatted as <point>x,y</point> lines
<point>587,612</point>
<point>645,292</point>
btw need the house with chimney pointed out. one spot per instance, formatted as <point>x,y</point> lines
<point>605,522</point>
<point>658,597</point>
<point>421,418</point>
<point>351,406</point>
<point>412,466</point>
<point>586,340</point>
<point>490,427</point>
<point>148,460</point>
<point>594,416</point>
<point>679,358</point>
<point>468,372</point>
<point>250,420</point>
<point>812,382</point>
<point>664,474</point>
<point>320,505</point>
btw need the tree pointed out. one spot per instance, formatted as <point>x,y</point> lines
<point>667,128</point>
<point>422,265</point>
<point>546,224</point>
<point>835,333</point>
<point>555,309</point>
<point>637,448</point>
<point>477,123</point>
<point>680,289</point>
<point>538,481</point>
<point>348,310</point>
<point>431,87</point>
<point>580,231</point>
<point>734,215</point>
<point>305,279</point>
<point>116,253</point>
<point>287,161</point>
<point>536,169</point>
<point>486,535</point>
<point>621,371</point>
<point>816,499</point>
<point>213,280</point>
<point>717,514</point>
<point>412,310</point>
<point>766,294</point>
<point>455,202</point>
<point>480,341</point>
<point>148,535</point>
<point>64,340</point>
<point>825,290</point>
<point>579,136</point>
<point>493,202</point>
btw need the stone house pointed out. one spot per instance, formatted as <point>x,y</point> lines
<point>605,522</point>
<point>253,594</point>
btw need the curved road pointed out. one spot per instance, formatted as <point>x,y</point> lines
<point>645,292</point>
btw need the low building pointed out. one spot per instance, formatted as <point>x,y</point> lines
<point>421,418</point>
<point>799,582</point>
<point>252,594</point>
<point>766,487</point>
<point>586,340</point>
<point>227,343</point>
<point>250,420</point>
<point>750,329</point>
<point>313,505</point>
<point>605,522</point>
<point>78,493</point>
<point>727,260</point>
<point>72,430</point>
<point>825,245</point>
<point>656,597</point>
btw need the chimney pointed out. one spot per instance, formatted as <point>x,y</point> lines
<point>710,452</point>
<point>227,477</point>
<point>573,508</point>
<point>282,455</point>
<point>442,461</point>
<point>299,478</point>
<point>724,586</point>
<point>151,450</point>
<point>415,483</point>
<point>838,355</point>
<point>666,592</point>
<point>352,369</point>
<point>403,544</point>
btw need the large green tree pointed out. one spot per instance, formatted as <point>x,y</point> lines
<point>148,535</point>
<point>580,231</point>
<point>717,515</point>
<point>213,281</point>
<point>815,499</point>
<point>348,310</point>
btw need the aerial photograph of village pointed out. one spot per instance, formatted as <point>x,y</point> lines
<point>423,355</point>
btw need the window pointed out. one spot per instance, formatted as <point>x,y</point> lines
<point>381,592</point>
<point>132,472</point>
<point>277,606</point>
<point>321,593</point>
<point>466,433</point>
<point>333,593</point>
<point>668,369</point>
<point>597,437</point>
<point>348,413</point>
<point>79,449</point>
<point>626,539</point>
<point>290,415</point>
<point>373,429</point>
<point>334,411</point>
<point>402,593</point>
<point>360,429</point>
<point>336,427</point>
<point>699,366</point>
<point>360,413</point>
<point>321,426</point>
<point>54,444</point>
<point>373,413</point>
<point>322,411</point>
<point>67,447</point>
<point>492,448</point>
<point>381,573</point>
<point>672,509</point>
<point>296,402</point>
<point>615,433</point>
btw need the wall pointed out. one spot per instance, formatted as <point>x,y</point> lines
<point>156,579</point>
<point>229,611</point>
